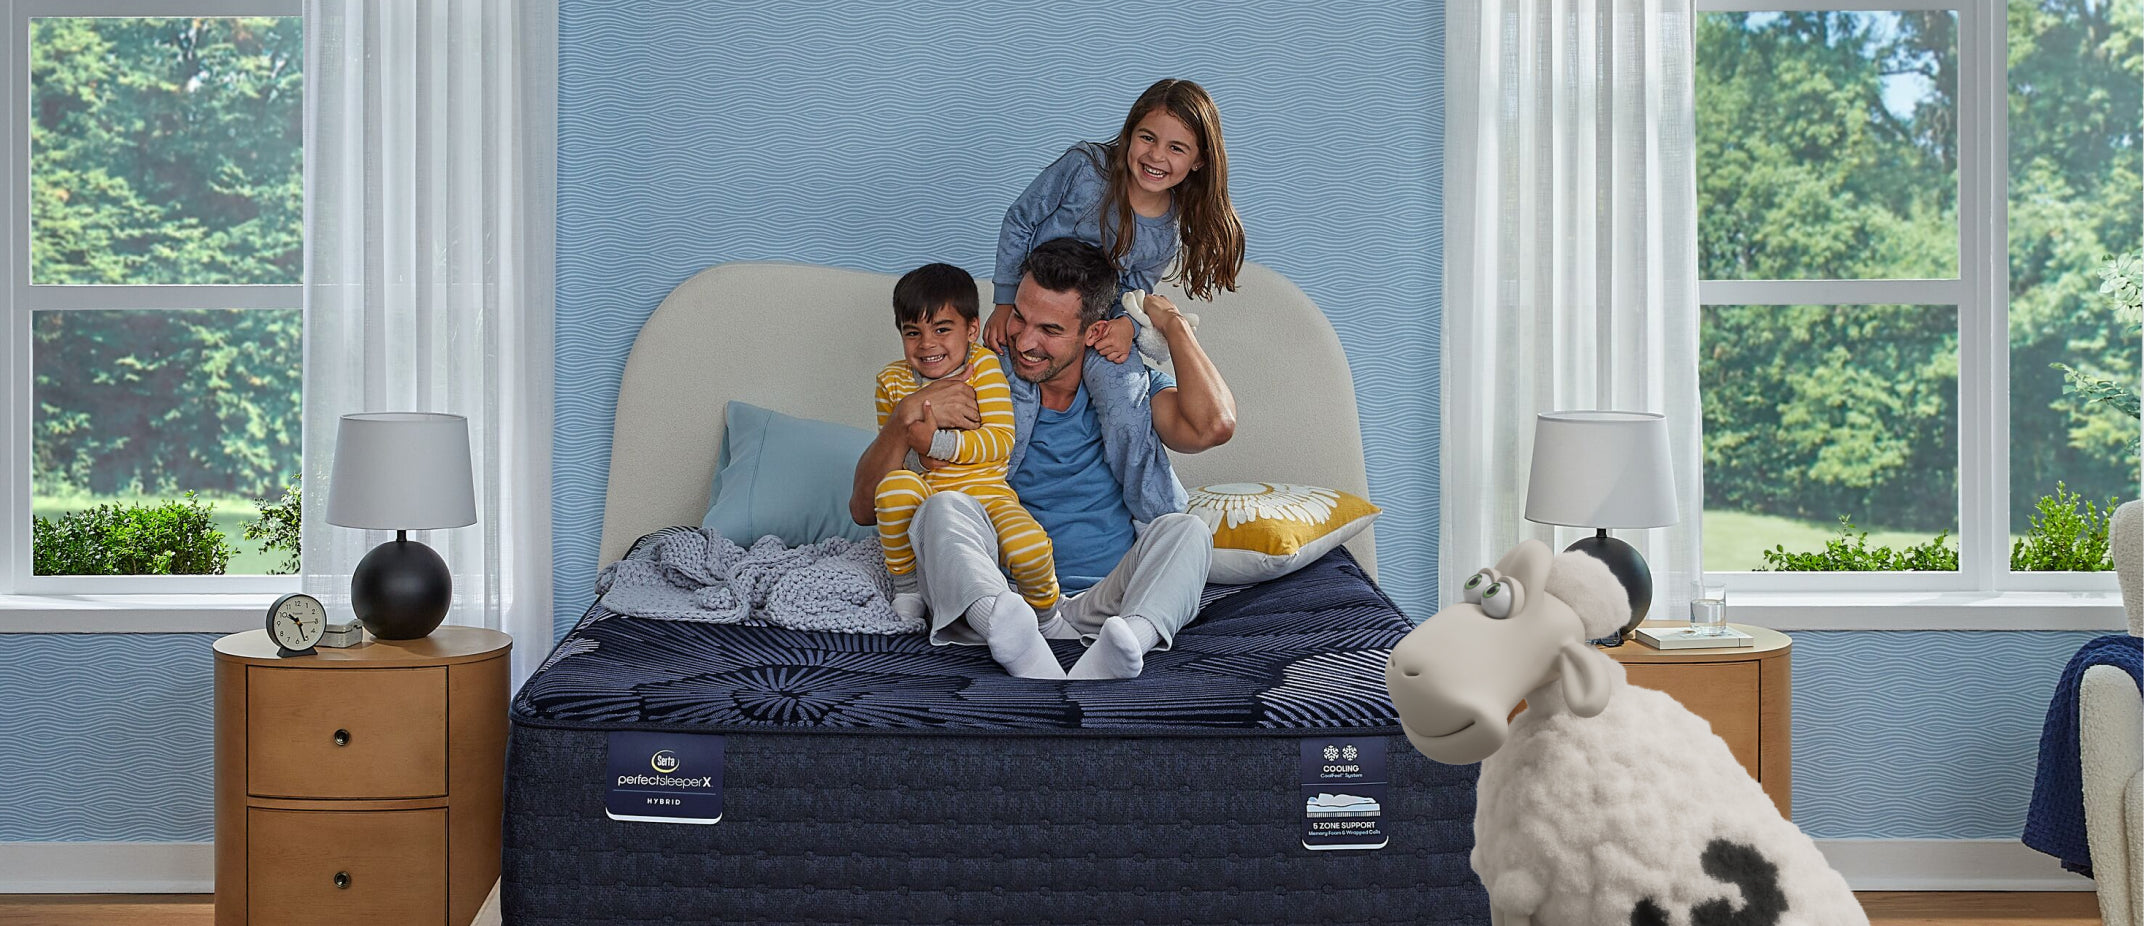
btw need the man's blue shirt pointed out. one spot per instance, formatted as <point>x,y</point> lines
<point>1067,486</point>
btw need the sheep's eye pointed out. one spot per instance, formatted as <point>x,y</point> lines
<point>1500,600</point>
<point>1472,591</point>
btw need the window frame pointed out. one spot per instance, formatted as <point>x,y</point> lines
<point>1980,295</point>
<point>17,579</point>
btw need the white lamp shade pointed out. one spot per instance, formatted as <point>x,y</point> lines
<point>402,471</point>
<point>1601,469</point>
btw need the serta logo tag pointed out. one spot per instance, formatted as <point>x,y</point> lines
<point>684,786</point>
<point>664,761</point>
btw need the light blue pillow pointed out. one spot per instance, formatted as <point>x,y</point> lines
<point>785,476</point>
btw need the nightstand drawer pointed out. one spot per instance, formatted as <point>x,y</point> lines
<point>322,733</point>
<point>357,867</point>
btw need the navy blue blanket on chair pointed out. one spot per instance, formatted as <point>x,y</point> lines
<point>2055,824</point>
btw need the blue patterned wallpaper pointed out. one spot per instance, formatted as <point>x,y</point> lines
<point>884,134</point>
<point>1921,735</point>
<point>107,737</point>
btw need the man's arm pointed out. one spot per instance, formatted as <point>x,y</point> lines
<point>952,405</point>
<point>1200,413</point>
<point>992,441</point>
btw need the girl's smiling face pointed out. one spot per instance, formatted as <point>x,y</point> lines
<point>937,345</point>
<point>1163,151</point>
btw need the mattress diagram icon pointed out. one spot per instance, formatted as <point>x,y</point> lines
<point>1341,805</point>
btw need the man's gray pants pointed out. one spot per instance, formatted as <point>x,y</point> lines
<point>1159,578</point>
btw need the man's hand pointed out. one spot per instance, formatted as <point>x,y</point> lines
<point>1167,318</point>
<point>950,404</point>
<point>994,329</point>
<point>920,430</point>
<point>1112,338</point>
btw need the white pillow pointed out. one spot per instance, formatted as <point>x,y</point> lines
<point>1266,530</point>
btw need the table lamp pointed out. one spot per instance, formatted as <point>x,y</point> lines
<point>401,471</point>
<point>1602,470</point>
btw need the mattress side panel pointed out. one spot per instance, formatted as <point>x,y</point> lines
<point>822,829</point>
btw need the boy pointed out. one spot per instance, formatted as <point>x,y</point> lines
<point>934,308</point>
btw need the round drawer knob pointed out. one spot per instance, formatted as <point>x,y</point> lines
<point>342,880</point>
<point>342,737</point>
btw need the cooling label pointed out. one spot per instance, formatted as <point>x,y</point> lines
<point>1344,793</point>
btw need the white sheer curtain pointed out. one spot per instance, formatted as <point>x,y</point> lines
<point>1570,230</point>
<point>430,150</point>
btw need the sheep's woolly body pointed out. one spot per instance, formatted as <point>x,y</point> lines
<point>1580,819</point>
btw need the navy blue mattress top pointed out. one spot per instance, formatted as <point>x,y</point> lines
<point>1294,656</point>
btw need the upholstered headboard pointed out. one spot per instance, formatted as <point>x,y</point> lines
<point>805,340</point>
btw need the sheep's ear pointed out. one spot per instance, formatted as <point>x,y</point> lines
<point>1586,584</point>
<point>1589,677</point>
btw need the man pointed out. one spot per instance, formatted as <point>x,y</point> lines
<point>1127,590</point>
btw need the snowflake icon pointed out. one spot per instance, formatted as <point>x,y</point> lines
<point>1331,753</point>
<point>1349,753</point>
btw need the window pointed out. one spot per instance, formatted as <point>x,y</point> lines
<point>1903,215</point>
<point>154,322</point>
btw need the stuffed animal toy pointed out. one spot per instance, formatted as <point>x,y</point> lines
<point>1601,803</point>
<point>1150,342</point>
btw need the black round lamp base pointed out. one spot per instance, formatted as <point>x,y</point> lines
<point>1629,568</point>
<point>401,590</point>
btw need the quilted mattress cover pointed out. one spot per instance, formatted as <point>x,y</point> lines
<point>873,780</point>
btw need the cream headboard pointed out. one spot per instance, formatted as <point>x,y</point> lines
<point>805,340</point>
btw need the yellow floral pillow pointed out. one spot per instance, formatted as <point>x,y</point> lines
<point>1265,530</point>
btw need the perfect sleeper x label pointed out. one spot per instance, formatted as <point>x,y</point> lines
<point>664,778</point>
<point>1344,793</point>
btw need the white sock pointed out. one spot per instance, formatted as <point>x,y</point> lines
<point>1008,625</point>
<point>907,595</point>
<point>909,605</point>
<point>1119,651</point>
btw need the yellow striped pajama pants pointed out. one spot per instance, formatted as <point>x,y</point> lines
<point>1023,547</point>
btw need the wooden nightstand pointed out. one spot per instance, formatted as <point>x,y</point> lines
<point>1745,692</point>
<point>360,785</point>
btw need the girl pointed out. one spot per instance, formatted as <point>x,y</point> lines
<point>1158,193</point>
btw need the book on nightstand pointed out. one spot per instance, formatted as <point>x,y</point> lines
<point>1683,638</point>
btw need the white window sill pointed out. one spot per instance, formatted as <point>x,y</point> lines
<point>151,613</point>
<point>2012,610</point>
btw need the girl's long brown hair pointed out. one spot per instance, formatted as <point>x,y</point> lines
<point>1208,231</point>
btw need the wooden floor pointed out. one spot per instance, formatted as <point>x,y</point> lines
<point>1909,908</point>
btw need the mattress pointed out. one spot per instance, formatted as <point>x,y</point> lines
<point>873,780</point>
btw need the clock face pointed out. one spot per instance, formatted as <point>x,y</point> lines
<point>297,621</point>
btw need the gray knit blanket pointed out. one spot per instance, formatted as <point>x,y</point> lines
<point>837,584</point>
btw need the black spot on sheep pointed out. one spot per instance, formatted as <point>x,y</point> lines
<point>1601,803</point>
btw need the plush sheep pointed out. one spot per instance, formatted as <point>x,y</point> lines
<point>1149,341</point>
<point>1601,803</point>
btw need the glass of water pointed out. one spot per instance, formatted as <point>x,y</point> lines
<point>1708,611</point>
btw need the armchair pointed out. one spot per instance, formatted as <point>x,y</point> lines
<point>2111,746</point>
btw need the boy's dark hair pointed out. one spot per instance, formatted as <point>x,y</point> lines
<point>922,290</point>
<point>1071,265</point>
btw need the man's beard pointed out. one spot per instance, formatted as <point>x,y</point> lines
<point>1049,371</point>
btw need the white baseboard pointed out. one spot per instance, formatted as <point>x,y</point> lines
<point>1947,865</point>
<point>1868,864</point>
<point>107,867</point>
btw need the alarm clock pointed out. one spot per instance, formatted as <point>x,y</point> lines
<point>296,622</point>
